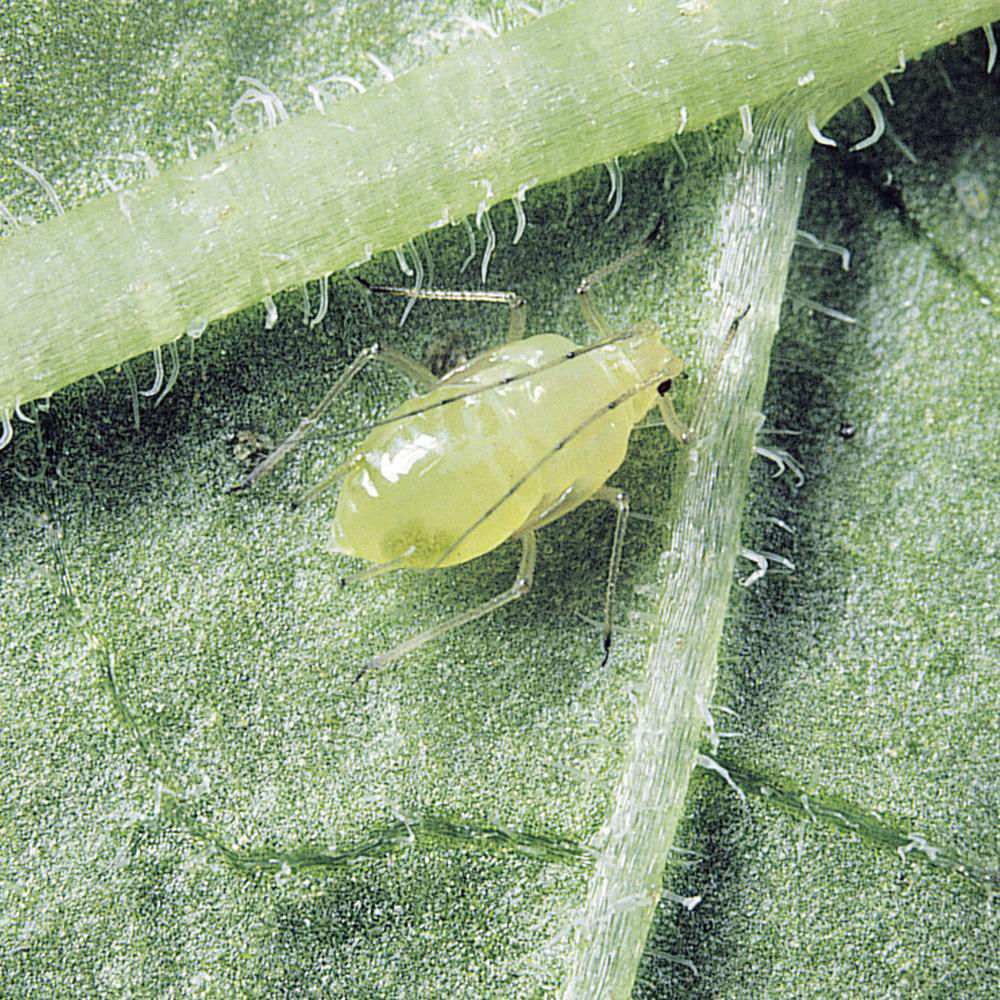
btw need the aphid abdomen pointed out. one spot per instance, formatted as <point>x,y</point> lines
<point>455,481</point>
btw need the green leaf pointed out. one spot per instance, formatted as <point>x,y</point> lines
<point>502,748</point>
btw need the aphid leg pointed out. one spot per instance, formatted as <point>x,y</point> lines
<point>401,362</point>
<point>619,500</point>
<point>511,299</point>
<point>374,572</point>
<point>327,481</point>
<point>520,586</point>
<point>670,419</point>
<point>593,318</point>
<point>421,376</point>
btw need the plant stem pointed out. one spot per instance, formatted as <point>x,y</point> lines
<point>753,234</point>
<point>139,268</point>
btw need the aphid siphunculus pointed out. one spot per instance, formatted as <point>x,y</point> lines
<point>497,448</point>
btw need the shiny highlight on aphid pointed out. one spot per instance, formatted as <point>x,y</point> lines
<point>495,449</point>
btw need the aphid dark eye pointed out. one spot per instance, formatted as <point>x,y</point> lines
<point>664,387</point>
<point>846,431</point>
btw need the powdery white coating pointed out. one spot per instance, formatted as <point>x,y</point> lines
<point>453,482</point>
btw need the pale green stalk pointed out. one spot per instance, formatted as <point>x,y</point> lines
<point>751,242</point>
<point>139,268</point>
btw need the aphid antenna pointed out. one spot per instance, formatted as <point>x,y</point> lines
<point>308,424</point>
<point>511,299</point>
<point>593,317</point>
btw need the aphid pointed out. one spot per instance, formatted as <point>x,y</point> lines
<point>497,448</point>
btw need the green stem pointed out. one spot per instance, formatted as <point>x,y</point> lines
<point>137,269</point>
<point>753,234</point>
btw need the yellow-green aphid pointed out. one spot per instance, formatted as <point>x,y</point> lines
<point>521,443</point>
<point>495,449</point>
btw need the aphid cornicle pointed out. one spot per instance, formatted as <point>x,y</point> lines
<point>495,449</point>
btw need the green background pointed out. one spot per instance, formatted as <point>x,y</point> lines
<point>868,674</point>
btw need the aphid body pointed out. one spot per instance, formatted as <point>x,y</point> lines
<point>496,448</point>
<point>503,444</point>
